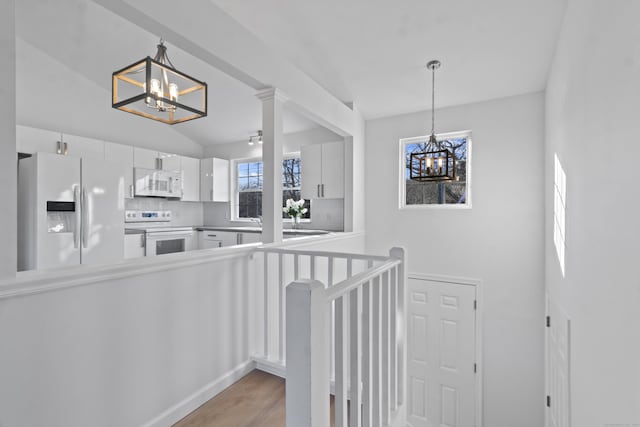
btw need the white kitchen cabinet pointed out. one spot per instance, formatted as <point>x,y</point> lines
<point>216,239</point>
<point>134,245</point>
<point>33,140</point>
<point>83,147</point>
<point>322,171</point>
<point>170,162</point>
<point>190,179</point>
<point>144,158</point>
<point>249,238</point>
<point>214,180</point>
<point>152,159</point>
<point>122,155</point>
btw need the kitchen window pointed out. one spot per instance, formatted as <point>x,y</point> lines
<point>249,176</point>
<point>444,194</point>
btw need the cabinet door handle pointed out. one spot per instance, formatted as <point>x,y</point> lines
<point>212,235</point>
<point>318,190</point>
<point>131,191</point>
<point>322,190</point>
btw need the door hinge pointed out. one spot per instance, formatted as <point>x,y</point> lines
<point>548,401</point>
<point>475,368</point>
<point>475,304</point>
<point>548,321</point>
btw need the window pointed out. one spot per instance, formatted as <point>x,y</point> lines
<point>249,187</point>
<point>454,193</point>
<point>559,204</point>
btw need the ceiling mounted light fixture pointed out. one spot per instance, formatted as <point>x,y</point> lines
<point>436,162</point>
<point>256,138</point>
<point>154,89</point>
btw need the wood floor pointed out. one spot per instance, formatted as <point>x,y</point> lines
<point>257,400</point>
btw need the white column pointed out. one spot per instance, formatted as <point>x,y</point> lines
<point>8,162</point>
<point>272,138</point>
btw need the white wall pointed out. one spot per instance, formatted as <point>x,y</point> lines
<point>8,162</point>
<point>499,240</point>
<point>292,143</point>
<point>140,343</point>
<point>51,95</point>
<point>592,125</point>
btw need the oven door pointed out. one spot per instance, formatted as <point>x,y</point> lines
<point>168,242</point>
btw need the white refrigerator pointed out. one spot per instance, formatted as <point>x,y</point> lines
<point>70,212</point>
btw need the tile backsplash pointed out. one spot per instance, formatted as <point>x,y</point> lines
<point>183,213</point>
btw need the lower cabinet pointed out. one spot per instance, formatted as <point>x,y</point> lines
<point>208,239</point>
<point>249,238</point>
<point>134,245</point>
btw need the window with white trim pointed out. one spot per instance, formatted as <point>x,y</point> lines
<point>559,206</point>
<point>249,178</point>
<point>453,193</point>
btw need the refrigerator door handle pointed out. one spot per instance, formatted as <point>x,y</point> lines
<point>84,226</point>
<point>76,231</point>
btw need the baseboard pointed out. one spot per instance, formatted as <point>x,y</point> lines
<point>270,367</point>
<point>188,405</point>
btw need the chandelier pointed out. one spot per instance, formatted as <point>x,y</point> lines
<point>154,89</point>
<point>256,138</point>
<point>435,161</point>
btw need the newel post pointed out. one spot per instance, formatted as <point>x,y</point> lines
<point>399,253</point>
<point>307,382</point>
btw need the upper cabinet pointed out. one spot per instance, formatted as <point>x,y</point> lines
<point>144,158</point>
<point>214,180</point>
<point>122,155</point>
<point>190,179</point>
<point>151,159</point>
<point>170,162</point>
<point>81,146</point>
<point>33,140</point>
<point>322,171</point>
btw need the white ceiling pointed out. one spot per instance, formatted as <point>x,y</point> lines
<point>373,52</point>
<point>93,42</point>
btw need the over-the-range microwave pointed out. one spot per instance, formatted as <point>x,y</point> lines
<point>158,183</point>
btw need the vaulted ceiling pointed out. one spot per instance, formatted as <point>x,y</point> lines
<point>370,52</point>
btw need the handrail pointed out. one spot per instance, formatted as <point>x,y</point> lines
<point>354,282</point>
<point>322,253</point>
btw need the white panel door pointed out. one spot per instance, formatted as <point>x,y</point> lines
<point>441,353</point>
<point>102,235</point>
<point>557,367</point>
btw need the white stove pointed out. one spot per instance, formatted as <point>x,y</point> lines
<point>160,238</point>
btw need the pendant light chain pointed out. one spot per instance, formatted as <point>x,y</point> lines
<point>433,100</point>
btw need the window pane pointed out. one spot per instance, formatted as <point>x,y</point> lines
<point>243,183</point>
<point>243,169</point>
<point>254,169</point>
<point>253,182</point>
<point>437,192</point>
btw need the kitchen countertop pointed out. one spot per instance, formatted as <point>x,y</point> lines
<point>298,231</point>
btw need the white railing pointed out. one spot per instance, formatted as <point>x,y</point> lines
<point>340,317</point>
